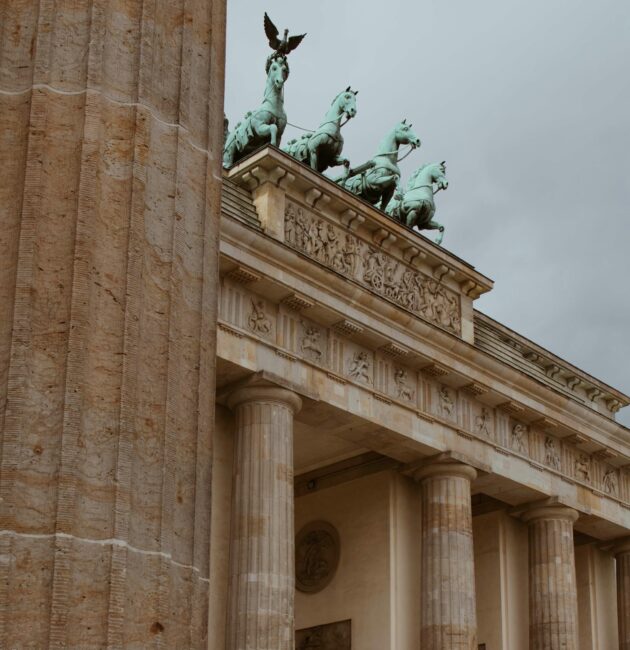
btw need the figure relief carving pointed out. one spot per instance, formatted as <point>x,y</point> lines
<point>552,458</point>
<point>446,401</point>
<point>316,556</point>
<point>310,343</point>
<point>360,367</point>
<point>371,267</point>
<point>258,321</point>
<point>610,482</point>
<point>519,436</point>
<point>482,421</point>
<point>403,389</point>
<point>583,467</point>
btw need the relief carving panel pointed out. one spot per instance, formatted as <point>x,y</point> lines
<point>372,267</point>
<point>334,636</point>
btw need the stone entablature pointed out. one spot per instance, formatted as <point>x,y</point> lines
<point>392,376</point>
<point>347,235</point>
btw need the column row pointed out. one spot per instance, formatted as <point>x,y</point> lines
<point>260,607</point>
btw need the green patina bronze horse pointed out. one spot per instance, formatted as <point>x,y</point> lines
<point>415,207</point>
<point>322,148</point>
<point>381,174</point>
<point>266,124</point>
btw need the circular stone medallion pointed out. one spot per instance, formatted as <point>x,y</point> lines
<point>316,556</point>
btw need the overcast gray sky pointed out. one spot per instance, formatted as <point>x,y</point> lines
<point>529,104</point>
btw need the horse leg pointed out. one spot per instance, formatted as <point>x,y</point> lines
<point>313,159</point>
<point>386,196</point>
<point>411,218</point>
<point>434,225</point>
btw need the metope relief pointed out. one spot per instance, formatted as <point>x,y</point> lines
<point>404,388</point>
<point>447,404</point>
<point>312,342</point>
<point>552,457</point>
<point>258,321</point>
<point>372,268</point>
<point>519,438</point>
<point>359,367</point>
<point>582,466</point>
<point>609,482</point>
<point>482,422</point>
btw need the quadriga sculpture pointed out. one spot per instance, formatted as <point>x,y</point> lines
<point>322,148</point>
<point>416,206</point>
<point>267,123</point>
<point>379,180</point>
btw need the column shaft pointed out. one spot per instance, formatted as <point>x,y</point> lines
<point>111,116</point>
<point>552,584</point>
<point>262,564</point>
<point>622,552</point>
<point>448,617</point>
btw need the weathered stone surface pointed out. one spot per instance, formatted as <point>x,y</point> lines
<point>448,618</point>
<point>111,127</point>
<point>262,571</point>
<point>552,584</point>
<point>622,555</point>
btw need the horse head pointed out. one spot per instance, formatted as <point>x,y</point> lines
<point>428,174</point>
<point>346,102</point>
<point>404,135</point>
<point>277,71</point>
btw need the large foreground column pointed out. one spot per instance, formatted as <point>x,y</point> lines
<point>262,564</point>
<point>111,125</point>
<point>622,555</point>
<point>553,621</point>
<point>448,620</point>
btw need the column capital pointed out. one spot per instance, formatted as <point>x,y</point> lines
<point>537,512</point>
<point>621,546</point>
<point>264,393</point>
<point>447,468</point>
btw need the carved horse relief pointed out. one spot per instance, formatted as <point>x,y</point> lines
<point>416,207</point>
<point>379,180</point>
<point>322,148</point>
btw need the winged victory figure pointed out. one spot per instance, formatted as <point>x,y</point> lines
<point>284,46</point>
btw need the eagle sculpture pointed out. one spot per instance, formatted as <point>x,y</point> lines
<point>284,46</point>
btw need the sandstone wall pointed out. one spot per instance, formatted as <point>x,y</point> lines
<point>111,121</point>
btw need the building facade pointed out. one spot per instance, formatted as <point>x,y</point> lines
<point>452,484</point>
<point>292,430</point>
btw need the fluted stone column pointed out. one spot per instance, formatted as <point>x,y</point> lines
<point>111,128</point>
<point>553,621</point>
<point>622,555</point>
<point>448,620</point>
<point>262,563</point>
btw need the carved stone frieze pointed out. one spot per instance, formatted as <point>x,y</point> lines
<point>359,367</point>
<point>583,467</point>
<point>552,457</point>
<point>372,267</point>
<point>482,422</point>
<point>609,481</point>
<point>311,342</point>
<point>519,438</point>
<point>447,405</point>
<point>404,389</point>
<point>258,321</point>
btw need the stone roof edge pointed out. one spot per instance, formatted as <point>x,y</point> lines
<point>544,358</point>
